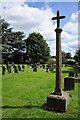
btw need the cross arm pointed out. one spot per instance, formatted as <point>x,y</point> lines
<point>60,17</point>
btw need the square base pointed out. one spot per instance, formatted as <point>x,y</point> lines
<point>58,103</point>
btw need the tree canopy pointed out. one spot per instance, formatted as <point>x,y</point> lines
<point>37,49</point>
<point>16,48</point>
<point>77,55</point>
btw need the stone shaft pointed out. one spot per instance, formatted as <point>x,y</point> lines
<point>58,89</point>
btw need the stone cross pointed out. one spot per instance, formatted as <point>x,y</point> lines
<point>58,30</point>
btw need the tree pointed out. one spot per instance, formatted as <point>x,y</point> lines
<point>64,60</point>
<point>37,49</point>
<point>68,55</point>
<point>77,55</point>
<point>13,45</point>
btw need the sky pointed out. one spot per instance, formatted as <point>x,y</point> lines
<point>36,17</point>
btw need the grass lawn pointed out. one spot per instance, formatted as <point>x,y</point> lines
<point>24,94</point>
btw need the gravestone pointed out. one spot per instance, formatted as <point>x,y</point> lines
<point>7,65</point>
<point>58,100</point>
<point>19,67</point>
<point>13,64</point>
<point>51,67</point>
<point>76,69</point>
<point>9,69</point>
<point>43,66</point>
<point>15,69</point>
<point>23,67</point>
<point>71,74</point>
<point>3,70</point>
<point>69,83</point>
<point>35,67</point>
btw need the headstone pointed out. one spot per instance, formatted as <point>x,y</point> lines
<point>43,66</point>
<point>35,68</point>
<point>19,67</point>
<point>7,65</point>
<point>9,69</point>
<point>76,69</point>
<point>69,83</point>
<point>3,70</point>
<point>51,67</point>
<point>13,64</point>
<point>15,69</point>
<point>46,69</point>
<point>71,74</point>
<point>77,79</point>
<point>58,100</point>
<point>23,67</point>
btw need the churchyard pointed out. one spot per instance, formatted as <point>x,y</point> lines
<point>24,94</point>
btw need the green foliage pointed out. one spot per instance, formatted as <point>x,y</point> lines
<point>77,55</point>
<point>68,55</point>
<point>12,44</point>
<point>64,60</point>
<point>37,49</point>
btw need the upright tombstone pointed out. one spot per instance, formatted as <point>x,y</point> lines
<point>35,67</point>
<point>58,100</point>
<point>3,70</point>
<point>76,69</point>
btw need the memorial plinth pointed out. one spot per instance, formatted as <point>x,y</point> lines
<point>58,99</point>
<point>58,103</point>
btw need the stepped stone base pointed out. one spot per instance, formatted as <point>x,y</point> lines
<point>58,103</point>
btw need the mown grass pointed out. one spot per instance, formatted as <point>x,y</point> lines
<point>24,94</point>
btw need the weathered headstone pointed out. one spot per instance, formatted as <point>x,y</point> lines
<point>35,68</point>
<point>9,69</point>
<point>15,69</point>
<point>58,100</point>
<point>19,67</point>
<point>71,74</point>
<point>51,67</point>
<point>7,65</point>
<point>3,70</point>
<point>43,66</point>
<point>76,69</point>
<point>69,83</point>
<point>23,67</point>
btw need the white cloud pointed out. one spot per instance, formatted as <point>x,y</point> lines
<point>67,37</point>
<point>72,25</point>
<point>74,45</point>
<point>29,19</point>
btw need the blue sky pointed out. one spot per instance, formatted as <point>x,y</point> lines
<point>65,8</point>
<point>36,16</point>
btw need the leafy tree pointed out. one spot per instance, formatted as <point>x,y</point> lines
<point>77,55</point>
<point>68,55</point>
<point>37,49</point>
<point>64,60</point>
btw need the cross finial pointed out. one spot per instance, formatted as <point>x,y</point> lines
<point>58,19</point>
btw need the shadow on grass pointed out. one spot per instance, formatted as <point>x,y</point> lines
<point>25,106</point>
<point>43,107</point>
<point>64,71</point>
